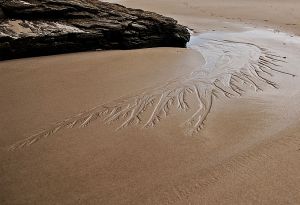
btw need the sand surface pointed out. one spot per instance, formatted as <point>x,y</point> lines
<point>216,123</point>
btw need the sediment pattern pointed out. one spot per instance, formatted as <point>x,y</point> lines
<point>230,70</point>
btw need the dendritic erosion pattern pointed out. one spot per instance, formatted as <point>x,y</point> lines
<point>231,68</point>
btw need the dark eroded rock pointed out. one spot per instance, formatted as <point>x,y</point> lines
<point>43,27</point>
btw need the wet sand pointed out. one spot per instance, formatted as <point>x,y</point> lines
<point>276,14</point>
<point>217,123</point>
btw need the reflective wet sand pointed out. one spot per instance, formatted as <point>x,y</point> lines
<point>216,123</point>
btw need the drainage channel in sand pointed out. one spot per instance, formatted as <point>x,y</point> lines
<point>231,69</point>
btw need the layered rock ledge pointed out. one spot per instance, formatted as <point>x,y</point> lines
<point>44,27</point>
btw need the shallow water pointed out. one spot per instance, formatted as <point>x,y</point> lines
<point>249,34</point>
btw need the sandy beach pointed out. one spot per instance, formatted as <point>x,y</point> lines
<point>214,123</point>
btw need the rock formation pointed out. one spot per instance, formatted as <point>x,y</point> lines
<point>43,27</point>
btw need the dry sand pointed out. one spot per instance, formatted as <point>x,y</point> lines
<point>126,127</point>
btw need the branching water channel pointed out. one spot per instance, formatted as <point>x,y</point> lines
<point>231,68</point>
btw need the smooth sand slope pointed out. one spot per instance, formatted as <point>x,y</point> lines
<point>217,123</point>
